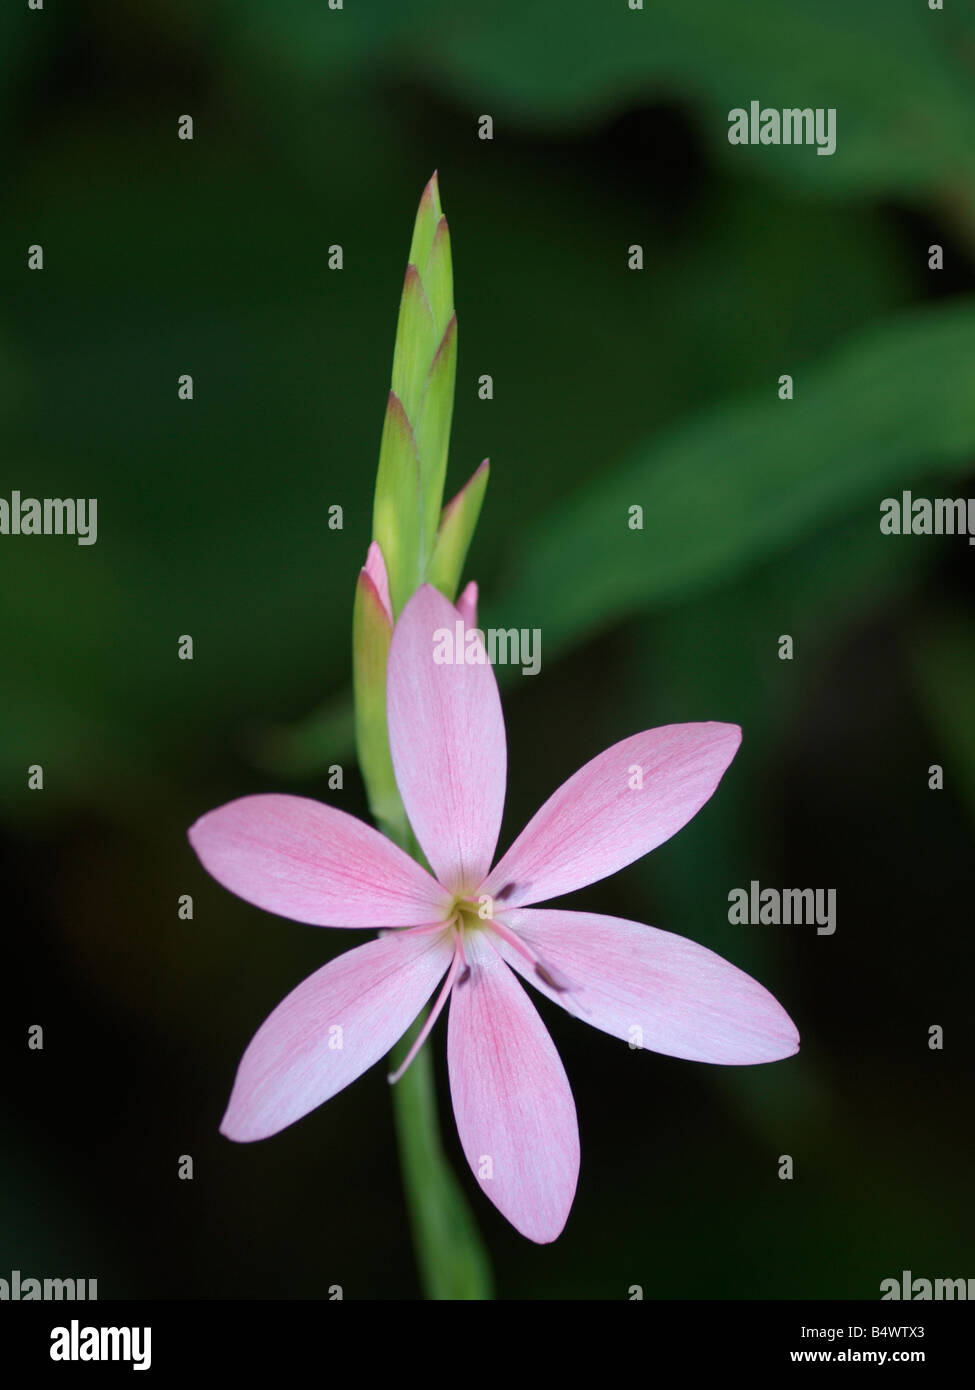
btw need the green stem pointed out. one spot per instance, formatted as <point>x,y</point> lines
<point>451,1256</point>
<point>453,1262</point>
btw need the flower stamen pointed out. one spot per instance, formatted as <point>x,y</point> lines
<point>435,1012</point>
<point>546,973</point>
<point>415,931</point>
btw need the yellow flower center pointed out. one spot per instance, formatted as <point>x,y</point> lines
<point>470,914</point>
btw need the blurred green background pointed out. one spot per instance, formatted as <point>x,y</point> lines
<point>612,388</point>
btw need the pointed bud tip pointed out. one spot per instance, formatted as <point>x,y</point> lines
<point>430,196</point>
<point>467,604</point>
<point>461,495</point>
<point>374,573</point>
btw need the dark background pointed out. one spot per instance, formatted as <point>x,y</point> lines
<point>611,388</point>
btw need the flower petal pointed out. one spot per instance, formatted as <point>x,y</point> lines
<point>467,604</point>
<point>446,736</point>
<point>375,568</point>
<point>651,988</point>
<point>330,1029</point>
<point>514,1109</point>
<point>599,820</point>
<point>312,863</point>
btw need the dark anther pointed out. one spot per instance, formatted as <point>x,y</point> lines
<point>549,979</point>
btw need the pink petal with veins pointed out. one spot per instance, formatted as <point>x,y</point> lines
<point>599,820</point>
<point>515,1114</point>
<point>312,863</point>
<point>330,1029</point>
<point>652,988</point>
<point>446,736</point>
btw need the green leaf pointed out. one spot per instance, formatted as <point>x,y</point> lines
<point>898,76</point>
<point>416,343</point>
<point>397,521</point>
<point>750,478</point>
<point>371,634</point>
<point>456,529</point>
<point>437,276</point>
<point>432,435</point>
<point>416,437</point>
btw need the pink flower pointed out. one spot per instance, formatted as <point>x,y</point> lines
<point>470,927</point>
